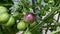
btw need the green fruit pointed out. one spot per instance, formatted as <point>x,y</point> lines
<point>3,10</point>
<point>33,24</point>
<point>4,17</point>
<point>21,26</point>
<point>11,21</point>
<point>28,32</point>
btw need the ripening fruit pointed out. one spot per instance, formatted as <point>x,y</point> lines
<point>29,17</point>
<point>4,17</point>
<point>11,21</point>
<point>28,32</point>
<point>3,9</point>
<point>21,25</point>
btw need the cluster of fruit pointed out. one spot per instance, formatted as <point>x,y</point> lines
<point>5,18</point>
<point>8,20</point>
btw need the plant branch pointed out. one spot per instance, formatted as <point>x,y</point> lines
<point>43,22</point>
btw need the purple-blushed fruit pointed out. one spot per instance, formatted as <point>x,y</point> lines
<point>29,17</point>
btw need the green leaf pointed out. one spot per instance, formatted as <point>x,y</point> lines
<point>38,2</point>
<point>1,32</point>
<point>51,14</point>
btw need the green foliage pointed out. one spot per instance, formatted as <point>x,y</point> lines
<point>12,12</point>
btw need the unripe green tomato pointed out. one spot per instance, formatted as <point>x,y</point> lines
<point>4,17</point>
<point>21,25</point>
<point>28,32</point>
<point>32,24</point>
<point>3,9</point>
<point>11,21</point>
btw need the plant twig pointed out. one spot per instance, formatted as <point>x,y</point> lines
<point>42,23</point>
<point>46,29</point>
